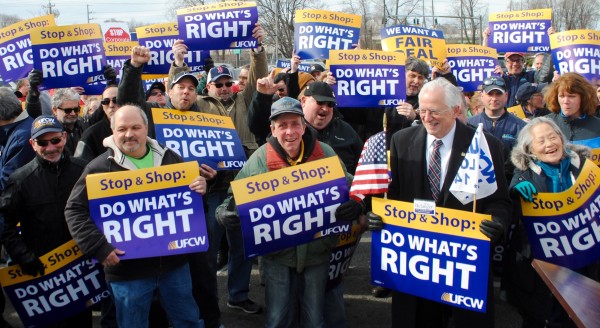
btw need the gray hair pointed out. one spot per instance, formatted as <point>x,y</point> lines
<point>525,137</point>
<point>417,65</point>
<point>62,95</point>
<point>140,110</point>
<point>452,96</point>
<point>10,105</point>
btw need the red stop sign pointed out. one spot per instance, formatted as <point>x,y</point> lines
<point>116,34</point>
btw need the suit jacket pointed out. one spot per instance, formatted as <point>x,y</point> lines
<point>409,181</point>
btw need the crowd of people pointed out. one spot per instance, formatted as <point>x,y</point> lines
<point>50,142</point>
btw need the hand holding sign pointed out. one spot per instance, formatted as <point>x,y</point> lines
<point>113,258</point>
<point>199,185</point>
<point>208,172</point>
<point>258,34</point>
<point>179,51</point>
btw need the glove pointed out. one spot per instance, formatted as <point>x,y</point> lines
<point>110,74</point>
<point>228,216</point>
<point>526,189</point>
<point>33,268</point>
<point>35,79</point>
<point>348,211</point>
<point>374,221</point>
<point>492,229</point>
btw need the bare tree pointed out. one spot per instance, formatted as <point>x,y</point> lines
<point>566,14</point>
<point>6,20</point>
<point>470,12</point>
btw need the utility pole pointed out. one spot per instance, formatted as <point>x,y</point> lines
<point>88,14</point>
<point>49,7</point>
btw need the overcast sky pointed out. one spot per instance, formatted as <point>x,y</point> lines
<point>151,11</point>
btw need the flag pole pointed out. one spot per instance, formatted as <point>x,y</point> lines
<point>474,202</point>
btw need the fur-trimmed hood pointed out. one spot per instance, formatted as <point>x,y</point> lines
<point>523,161</point>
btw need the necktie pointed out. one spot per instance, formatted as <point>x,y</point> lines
<point>435,170</point>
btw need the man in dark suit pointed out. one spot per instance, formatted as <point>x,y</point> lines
<point>411,149</point>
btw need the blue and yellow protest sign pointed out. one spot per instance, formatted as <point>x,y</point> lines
<point>318,31</point>
<point>442,257</point>
<point>520,31</point>
<point>70,55</point>
<point>219,25</point>
<point>368,78</point>
<point>149,212</point>
<point>342,253</point>
<point>205,138</point>
<point>290,206</point>
<point>285,63</point>
<point>564,228</point>
<point>116,54</point>
<point>423,43</point>
<point>517,110</point>
<point>596,156</point>
<point>159,38</point>
<point>71,284</point>
<point>577,51</point>
<point>15,47</point>
<point>471,64</point>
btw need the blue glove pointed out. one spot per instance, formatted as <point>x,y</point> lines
<point>526,189</point>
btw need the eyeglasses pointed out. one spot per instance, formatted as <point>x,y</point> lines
<point>157,93</point>
<point>106,101</point>
<point>432,112</point>
<point>520,60</point>
<point>494,81</point>
<point>220,85</point>
<point>44,143</point>
<point>326,103</point>
<point>69,110</point>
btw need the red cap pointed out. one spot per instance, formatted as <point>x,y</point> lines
<point>508,54</point>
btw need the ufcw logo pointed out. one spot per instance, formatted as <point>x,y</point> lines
<point>188,242</point>
<point>389,102</point>
<point>462,300</point>
<point>230,164</point>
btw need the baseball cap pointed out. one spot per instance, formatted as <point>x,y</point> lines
<point>508,54</point>
<point>182,75</point>
<point>526,90</point>
<point>155,85</point>
<point>321,91</point>
<point>286,105</point>
<point>217,72</point>
<point>44,124</point>
<point>494,83</point>
<point>316,68</point>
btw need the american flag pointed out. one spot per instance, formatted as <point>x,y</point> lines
<point>371,175</point>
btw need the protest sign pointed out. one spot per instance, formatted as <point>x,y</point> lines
<point>442,257</point>
<point>116,54</point>
<point>115,32</point>
<point>220,25</point>
<point>285,63</point>
<point>517,110</point>
<point>290,206</point>
<point>471,64</point>
<point>68,56</point>
<point>564,228</point>
<point>205,138</point>
<point>71,284</point>
<point>342,254</point>
<point>318,31</point>
<point>368,78</point>
<point>15,47</point>
<point>596,156</point>
<point>159,38</point>
<point>577,51</point>
<point>423,43</point>
<point>149,212</point>
<point>520,31</point>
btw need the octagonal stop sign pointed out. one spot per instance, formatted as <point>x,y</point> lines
<point>116,34</point>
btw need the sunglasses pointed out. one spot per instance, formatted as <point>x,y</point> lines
<point>44,143</point>
<point>220,85</point>
<point>281,89</point>
<point>69,110</point>
<point>157,93</point>
<point>106,101</point>
<point>494,81</point>
<point>326,103</point>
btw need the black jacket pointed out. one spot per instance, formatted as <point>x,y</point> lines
<point>90,145</point>
<point>91,240</point>
<point>36,196</point>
